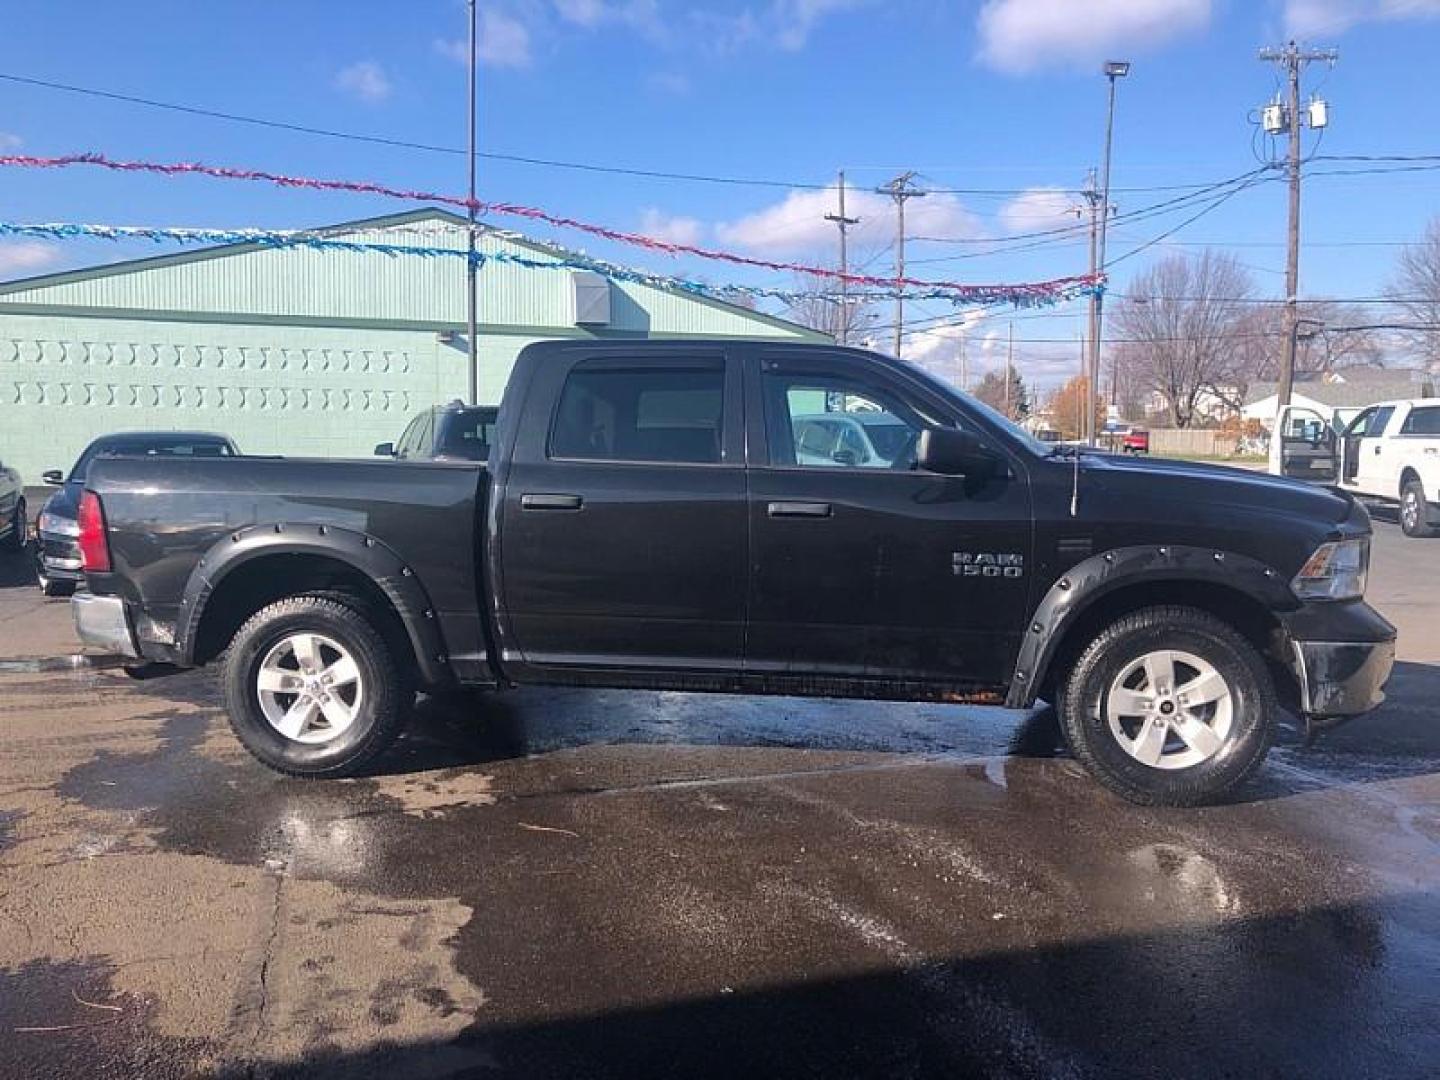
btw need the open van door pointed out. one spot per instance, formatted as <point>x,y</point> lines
<point>1303,446</point>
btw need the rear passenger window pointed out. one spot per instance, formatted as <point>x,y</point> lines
<point>1424,421</point>
<point>655,414</point>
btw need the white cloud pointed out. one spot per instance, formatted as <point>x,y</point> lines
<point>504,42</point>
<point>365,80</point>
<point>795,20</point>
<point>1019,36</point>
<point>938,348</point>
<point>796,225</point>
<point>10,142</point>
<point>677,230</point>
<point>1304,18</point>
<point>642,15</point>
<point>22,257</point>
<point>1037,209</point>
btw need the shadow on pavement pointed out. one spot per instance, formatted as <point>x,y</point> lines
<point>17,569</point>
<point>1236,997</point>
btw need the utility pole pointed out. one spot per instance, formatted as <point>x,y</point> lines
<point>1092,360</point>
<point>900,189</point>
<point>472,301</point>
<point>1276,117</point>
<point>844,224</point>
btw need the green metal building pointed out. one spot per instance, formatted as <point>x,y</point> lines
<point>302,351</point>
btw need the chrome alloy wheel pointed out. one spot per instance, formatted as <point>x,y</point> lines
<point>1170,709</point>
<point>1410,508</point>
<point>309,688</point>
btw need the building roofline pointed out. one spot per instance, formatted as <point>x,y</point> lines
<point>404,217</point>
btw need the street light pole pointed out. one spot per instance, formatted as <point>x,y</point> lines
<point>1114,69</point>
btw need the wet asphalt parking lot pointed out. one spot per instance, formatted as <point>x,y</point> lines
<point>572,883</point>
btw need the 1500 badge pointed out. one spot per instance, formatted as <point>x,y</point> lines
<point>987,564</point>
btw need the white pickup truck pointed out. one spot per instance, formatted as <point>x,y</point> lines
<point>1390,453</point>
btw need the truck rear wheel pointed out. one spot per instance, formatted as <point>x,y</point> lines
<point>1415,510</point>
<point>1169,706</point>
<point>313,688</point>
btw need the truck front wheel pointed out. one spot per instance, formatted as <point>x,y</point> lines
<point>1169,706</point>
<point>313,688</point>
<point>1415,510</point>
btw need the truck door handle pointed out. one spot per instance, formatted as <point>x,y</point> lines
<point>799,509</point>
<point>551,502</point>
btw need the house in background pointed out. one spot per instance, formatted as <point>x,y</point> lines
<point>1339,395</point>
<point>303,351</point>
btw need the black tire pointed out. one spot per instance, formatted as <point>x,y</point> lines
<point>16,539</point>
<point>1415,510</point>
<point>384,681</point>
<point>1087,728</point>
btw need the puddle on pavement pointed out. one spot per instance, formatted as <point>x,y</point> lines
<point>35,665</point>
<point>8,820</point>
<point>62,1018</point>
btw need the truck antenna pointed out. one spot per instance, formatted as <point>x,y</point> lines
<point>1075,484</point>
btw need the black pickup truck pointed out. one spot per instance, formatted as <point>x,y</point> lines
<point>666,515</point>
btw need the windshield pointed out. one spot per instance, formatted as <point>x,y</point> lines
<point>468,434</point>
<point>150,445</point>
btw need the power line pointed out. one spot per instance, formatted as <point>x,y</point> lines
<point>618,170</point>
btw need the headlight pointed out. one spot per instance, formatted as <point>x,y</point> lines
<point>59,526</point>
<point>1336,571</point>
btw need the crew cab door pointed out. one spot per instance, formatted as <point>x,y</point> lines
<point>1364,466</point>
<point>622,534</point>
<point>1417,448</point>
<point>1303,445</point>
<point>861,569</point>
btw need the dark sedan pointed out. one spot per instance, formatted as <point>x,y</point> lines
<point>57,551</point>
<point>451,432</point>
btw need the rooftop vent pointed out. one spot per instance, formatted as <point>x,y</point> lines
<point>592,298</point>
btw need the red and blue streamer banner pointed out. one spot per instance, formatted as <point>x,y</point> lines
<point>1024,294</point>
<point>333,240</point>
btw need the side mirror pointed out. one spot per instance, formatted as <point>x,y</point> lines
<point>954,453</point>
<point>843,457</point>
<point>53,477</point>
<point>385,449</point>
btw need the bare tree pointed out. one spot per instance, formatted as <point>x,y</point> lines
<point>1179,331</point>
<point>1260,339</point>
<point>820,308</point>
<point>1417,289</point>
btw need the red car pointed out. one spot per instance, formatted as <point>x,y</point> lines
<point>1136,441</point>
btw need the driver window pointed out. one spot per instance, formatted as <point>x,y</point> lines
<point>827,423</point>
<point>1361,424</point>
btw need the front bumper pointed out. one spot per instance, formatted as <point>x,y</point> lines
<point>1341,655</point>
<point>1341,678</point>
<point>102,621</point>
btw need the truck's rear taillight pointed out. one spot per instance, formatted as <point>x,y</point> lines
<point>94,544</point>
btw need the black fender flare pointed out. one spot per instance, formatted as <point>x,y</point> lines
<point>363,553</point>
<point>1087,582</point>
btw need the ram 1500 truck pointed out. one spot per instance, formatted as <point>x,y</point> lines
<point>648,519</point>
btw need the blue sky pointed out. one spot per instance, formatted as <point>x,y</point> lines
<point>1004,95</point>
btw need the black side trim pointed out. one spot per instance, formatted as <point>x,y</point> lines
<point>364,553</point>
<point>1088,581</point>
